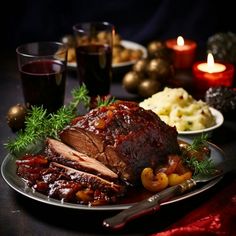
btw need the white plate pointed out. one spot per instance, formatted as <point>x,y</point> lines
<point>126,44</point>
<point>219,121</point>
<point>8,171</point>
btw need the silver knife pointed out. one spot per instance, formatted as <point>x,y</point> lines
<point>152,204</point>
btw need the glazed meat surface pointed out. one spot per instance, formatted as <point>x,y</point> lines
<point>124,137</point>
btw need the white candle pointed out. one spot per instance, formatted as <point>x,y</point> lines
<point>211,66</point>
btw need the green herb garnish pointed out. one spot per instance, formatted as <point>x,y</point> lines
<point>39,124</point>
<point>79,96</point>
<point>105,102</point>
<point>197,156</point>
<point>203,167</point>
<point>199,142</point>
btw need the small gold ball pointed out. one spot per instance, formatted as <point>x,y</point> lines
<point>140,66</point>
<point>16,117</point>
<point>131,81</point>
<point>157,49</point>
<point>148,87</point>
<point>154,46</point>
<point>159,68</point>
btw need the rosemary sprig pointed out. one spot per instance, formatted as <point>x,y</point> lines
<point>57,121</point>
<point>35,121</point>
<point>199,142</point>
<point>79,96</point>
<point>105,102</point>
<point>202,165</point>
<point>39,124</point>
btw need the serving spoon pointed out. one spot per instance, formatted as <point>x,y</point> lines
<point>152,204</point>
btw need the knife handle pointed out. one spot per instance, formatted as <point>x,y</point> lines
<point>186,185</point>
<point>144,207</point>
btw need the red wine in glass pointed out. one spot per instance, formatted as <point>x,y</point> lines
<point>94,63</point>
<point>43,83</point>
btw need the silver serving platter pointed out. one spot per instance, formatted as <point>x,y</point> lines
<point>8,171</point>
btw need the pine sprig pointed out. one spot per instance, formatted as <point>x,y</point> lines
<point>39,124</point>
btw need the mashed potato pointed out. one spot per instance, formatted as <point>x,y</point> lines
<point>177,108</point>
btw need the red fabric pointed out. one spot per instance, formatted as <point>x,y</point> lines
<point>215,217</point>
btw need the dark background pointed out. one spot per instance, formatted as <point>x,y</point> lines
<point>139,21</point>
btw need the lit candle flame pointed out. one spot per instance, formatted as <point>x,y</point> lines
<point>210,60</point>
<point>211,66</point>
<point>180,41</point>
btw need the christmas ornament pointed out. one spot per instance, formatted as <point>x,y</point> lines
<point>16,117</point>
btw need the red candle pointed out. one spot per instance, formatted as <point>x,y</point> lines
<point>183,52</point>
<point>212,74</point>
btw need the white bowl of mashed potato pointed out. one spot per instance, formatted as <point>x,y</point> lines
<point>176,107</point>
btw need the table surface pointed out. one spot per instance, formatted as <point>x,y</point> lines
<point>20,215</point>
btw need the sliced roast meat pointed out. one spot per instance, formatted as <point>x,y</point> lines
<point>123,136</point>
<point>82,141</point>
<point>89,180</point>
<point>59,152</point>
<point>65,183</point>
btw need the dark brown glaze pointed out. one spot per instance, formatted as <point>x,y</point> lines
<point>66,183</point>
<point>124,136</point>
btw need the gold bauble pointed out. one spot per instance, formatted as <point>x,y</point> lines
<point>159,69</point>
<point>16,117</point>
<point>140,66</point>
<point>148,87</point>
<point>155,46</point>
<point>157,49</point>
<point>131,81</point>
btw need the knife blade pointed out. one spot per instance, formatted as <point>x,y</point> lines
<point>152,204</point>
